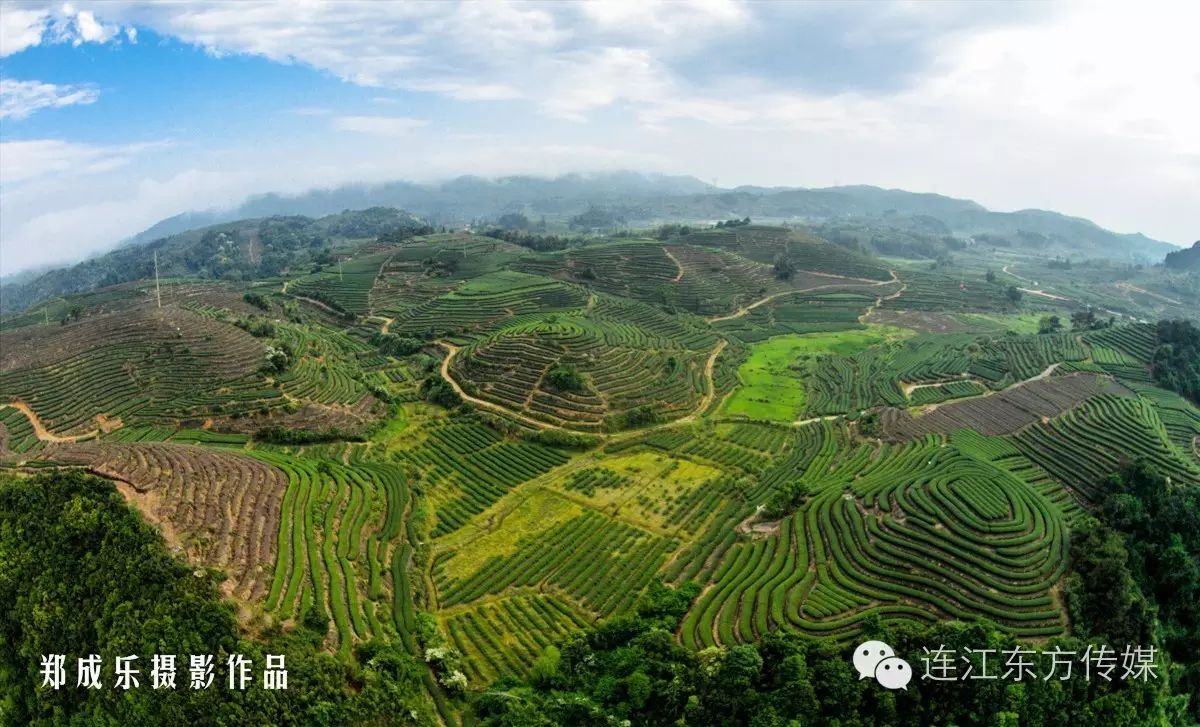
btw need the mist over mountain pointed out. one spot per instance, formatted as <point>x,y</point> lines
<point>607,201</point>
<point>641,198</point>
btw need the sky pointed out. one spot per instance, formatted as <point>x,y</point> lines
<point>115,115</point>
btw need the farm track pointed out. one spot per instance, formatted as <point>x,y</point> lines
<point>747,308</point>
<point>705,401</point>
<point>879,301</point>
<point>1151,293</point>
<point>679,275</point>
<point>327,308</point>
<point>451,352</point>
<point>40,429</point>
<point>712,388</point>
<point>1006,270</point>
<point>1037,377</point>
<point>908,389</point>
<point>1043,294</point>
<point>1032,291</point>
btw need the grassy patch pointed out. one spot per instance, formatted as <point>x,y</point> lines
<point>770,377</point>
<point>1023,323</point>
<point>537,513</point>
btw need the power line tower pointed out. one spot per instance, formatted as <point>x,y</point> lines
<point>157,290</point>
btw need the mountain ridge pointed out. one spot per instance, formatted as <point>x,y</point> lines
<point>634,199</point>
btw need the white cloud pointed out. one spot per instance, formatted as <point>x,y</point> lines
<point>24,161</point>
<point>20,99</point>
<point>27,27</point>
<point>380,125</point>
<point>21,28</point>
<point>89,30</point>
<point>1085,108</point>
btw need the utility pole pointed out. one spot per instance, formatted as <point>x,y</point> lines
<point>157,290</point>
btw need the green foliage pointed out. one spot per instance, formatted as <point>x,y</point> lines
<point>435,389</point>
<point>786,499</point>
<point>545,667</point>
<point>1102,597</point>
<point>596,218</point>
<point>257,300</point>
<point>84,574</point>
<point>1186,259</point>
<point>276,434</point>
<point>565,378</point>
<point>535,241</point>
<point>630,670</point>
<point>257,327</point>
<point>1013,294</point>
<point>513,221</point>
<point>1160,523</point>
<point>562,439</point>
<point>1176,362</point>
<point>784,267</point>
<point>638,416</point>
<point>1049,324</point>
<point>278,359</point>
<point>391,344</point>
<point>1087,320</point>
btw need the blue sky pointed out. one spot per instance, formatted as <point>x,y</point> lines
<point>116,114</point>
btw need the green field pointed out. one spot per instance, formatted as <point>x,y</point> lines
<point>772,377</point>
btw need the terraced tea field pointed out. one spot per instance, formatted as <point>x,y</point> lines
<point>475,450</point>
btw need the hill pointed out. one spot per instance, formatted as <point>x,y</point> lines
<point>466,449</point>
<point>1184,260</point>
<point>630,199</point>
<point>243,249</point>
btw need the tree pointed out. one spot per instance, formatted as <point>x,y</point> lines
<point>1176,360</point>
<point>784,267</point>
<point>565,378</point>
<point>278,359</point>
<point>435,389</point>
<point>1049,324</point>
<point>1085,320</point>
<point>991,276</point>
<point>86,574</point>
<point>1013,294</point>
<point>513,221</point>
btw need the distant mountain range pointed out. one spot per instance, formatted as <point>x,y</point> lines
<point>631,199</point>
<point>638,198</point>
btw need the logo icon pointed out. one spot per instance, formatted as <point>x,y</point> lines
<point>877,659</point>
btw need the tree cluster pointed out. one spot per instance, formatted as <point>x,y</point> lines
<point>1176,362</point>
<point>631,670</point>
<point>84,574</point>
<point>1186,259</point>
<point>565,378</point>
<point>735,222</point>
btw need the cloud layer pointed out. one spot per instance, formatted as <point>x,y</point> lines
<point>1085,108</point>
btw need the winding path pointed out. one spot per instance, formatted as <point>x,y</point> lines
<point>679,275</point>
<point>40,429</point>
<point>1151,293</point>
<point>1043,293</point>
<point>452,351</point>
<point>747,308</point>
